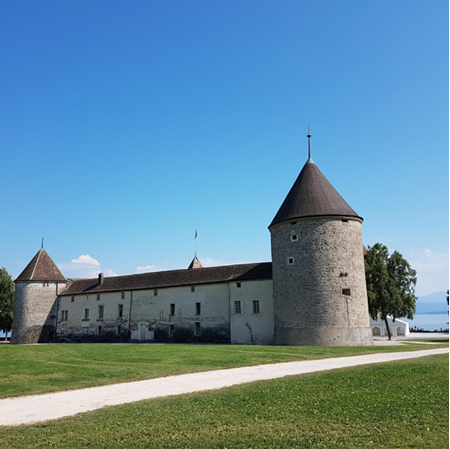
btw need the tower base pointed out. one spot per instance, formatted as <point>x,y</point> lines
<point>323,336</point>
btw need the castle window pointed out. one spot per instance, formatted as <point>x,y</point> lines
<point>100,312</point>
<point>98,297</point>
<point>294,237</point>
<point>86,314</point>
<point>64,315</point>
<point>99,330</point>
<point>346,291</point>
<point>198,308</point>
<point>238,284</point>
<point>122,295</point>
<point>120,311</point>
<point>155,292</point>
<point>192,289</point>
<point>172,310</point>
<point>344,221</point>
<point>171,329</point>
<point>290,261</point>
<point>197,329</point>
<point>255,304</point>
<point>237,307</point>
<point>72,299</point>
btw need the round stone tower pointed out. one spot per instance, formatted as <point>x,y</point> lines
<point>319,285</point>
<point>35,306</point>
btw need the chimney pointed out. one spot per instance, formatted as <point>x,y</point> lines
<point>100,278</point>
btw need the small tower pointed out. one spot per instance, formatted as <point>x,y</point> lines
<point>195,264</point>
<point>35,306</point>
<point>320,295</point>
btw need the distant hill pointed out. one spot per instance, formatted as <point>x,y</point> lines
<point>434,303</point>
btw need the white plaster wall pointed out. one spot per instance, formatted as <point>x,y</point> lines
<point>247,327</point>
<point>79,329</point>
<point>154,311</point>
<point>394,327</point>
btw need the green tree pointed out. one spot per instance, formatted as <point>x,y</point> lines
<point>390,285</point>
<point>6,301</point>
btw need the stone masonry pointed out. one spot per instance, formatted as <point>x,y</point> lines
<point>319,286</point>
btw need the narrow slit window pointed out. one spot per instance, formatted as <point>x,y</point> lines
<point>197,329</point>
<point>98,297</point>
<point>101,309</point>
<point>198,308</point>
<point>99,330</point>
<point>155,292</point>
<point>171,329</point>
<point>120,313</point>
<point>122,295</point>
<point>172,309</point>
<point>192,289</point>
<point>86,314</point>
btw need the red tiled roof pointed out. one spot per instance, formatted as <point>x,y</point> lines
<point>41,268</point>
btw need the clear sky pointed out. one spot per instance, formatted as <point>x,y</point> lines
<point>126,124</point>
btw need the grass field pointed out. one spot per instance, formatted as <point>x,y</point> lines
<point>35,369</point>
<point>392,405</point>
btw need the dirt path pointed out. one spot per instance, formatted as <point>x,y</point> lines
<point>32,409</point>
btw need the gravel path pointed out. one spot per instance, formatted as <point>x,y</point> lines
<point>32,409</point>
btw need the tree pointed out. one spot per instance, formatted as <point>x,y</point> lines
<point>6,301</point>
<point>390,284</point>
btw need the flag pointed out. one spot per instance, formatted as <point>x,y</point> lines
<point>195,233</point>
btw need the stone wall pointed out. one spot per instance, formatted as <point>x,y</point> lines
<point>35,311</point>
<point>320,295</point>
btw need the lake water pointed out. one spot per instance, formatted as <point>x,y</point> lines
<point>429,321</point>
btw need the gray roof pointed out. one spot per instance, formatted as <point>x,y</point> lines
<point>175,278</point>
<point>311,196</point>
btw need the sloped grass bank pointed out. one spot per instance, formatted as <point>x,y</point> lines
<point>36,369</point>
<point>399,404</point>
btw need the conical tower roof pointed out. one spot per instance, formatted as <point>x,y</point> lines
<point>41,268</point>
<point>195,264</point>
<point>312,196</point>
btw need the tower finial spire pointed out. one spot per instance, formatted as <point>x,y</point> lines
<point>42,243</point>
<point>309,147</point>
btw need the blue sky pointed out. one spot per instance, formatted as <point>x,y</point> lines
<point>124,125</point>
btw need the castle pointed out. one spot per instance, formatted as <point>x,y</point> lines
<point>312,293</point>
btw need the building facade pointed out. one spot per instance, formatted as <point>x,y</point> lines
<point>312,293</point>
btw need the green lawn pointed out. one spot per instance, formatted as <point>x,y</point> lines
<point>391,405</point>
<point>38,369</point>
